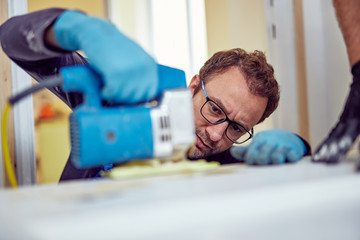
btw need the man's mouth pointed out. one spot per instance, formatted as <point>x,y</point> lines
<point>200,144</point>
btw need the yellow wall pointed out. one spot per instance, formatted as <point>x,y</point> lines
<point>94,7</point>
<point>52,135</point>
<point>234,23</point>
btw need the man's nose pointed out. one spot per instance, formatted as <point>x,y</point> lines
<point>216,132</point>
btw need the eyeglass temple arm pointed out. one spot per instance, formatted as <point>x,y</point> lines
<point>203,87</point>
<point>252,132</point>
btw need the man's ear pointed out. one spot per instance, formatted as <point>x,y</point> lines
<point>194,83</point>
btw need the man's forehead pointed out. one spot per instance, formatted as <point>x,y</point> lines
<point>232,72</point>
<point>230,80</point>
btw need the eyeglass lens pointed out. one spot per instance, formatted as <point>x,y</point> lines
<point>214,114</point>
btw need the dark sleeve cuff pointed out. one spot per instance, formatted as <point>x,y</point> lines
<point>307,145</point>
<point>355,70</point>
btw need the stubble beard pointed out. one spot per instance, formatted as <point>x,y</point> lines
<point>196,152</point>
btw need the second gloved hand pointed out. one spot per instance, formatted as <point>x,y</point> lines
<point>275,146</point>
<point>347,129</point>
<point>129,74</point>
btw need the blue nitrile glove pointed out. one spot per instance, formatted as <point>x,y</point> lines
<point>129,73</point>
<point>275,146</point>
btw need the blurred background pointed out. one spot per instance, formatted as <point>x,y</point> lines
<point>301,39</point>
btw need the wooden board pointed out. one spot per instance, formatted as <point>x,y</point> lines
<point>6,86</point>
<point>301,71</point>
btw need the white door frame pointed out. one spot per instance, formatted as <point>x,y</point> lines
<point>23,115</point>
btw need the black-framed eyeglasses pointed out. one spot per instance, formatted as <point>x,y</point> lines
<point>214,114</point>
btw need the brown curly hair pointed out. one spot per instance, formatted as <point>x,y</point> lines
<point>259,75</point>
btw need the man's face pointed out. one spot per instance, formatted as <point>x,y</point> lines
<point>230,91</point>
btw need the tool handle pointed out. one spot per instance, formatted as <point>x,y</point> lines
<point>170,78</point>
<point>83,79</point>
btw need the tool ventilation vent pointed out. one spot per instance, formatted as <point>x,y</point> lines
<point>165,135</point>
<point>75,137</point>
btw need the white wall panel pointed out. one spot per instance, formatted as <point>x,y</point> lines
<point>280,27</point>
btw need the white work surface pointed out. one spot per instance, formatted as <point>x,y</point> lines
<point>293,201</point>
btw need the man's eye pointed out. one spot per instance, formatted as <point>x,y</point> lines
<point>237,128</point>
<point>215,109</point>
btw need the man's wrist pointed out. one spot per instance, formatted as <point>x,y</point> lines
<point>50,40</point>
<point>307,146</point>
<point>355,69</point>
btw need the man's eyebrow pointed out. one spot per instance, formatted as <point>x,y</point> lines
<point>219,102</point>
